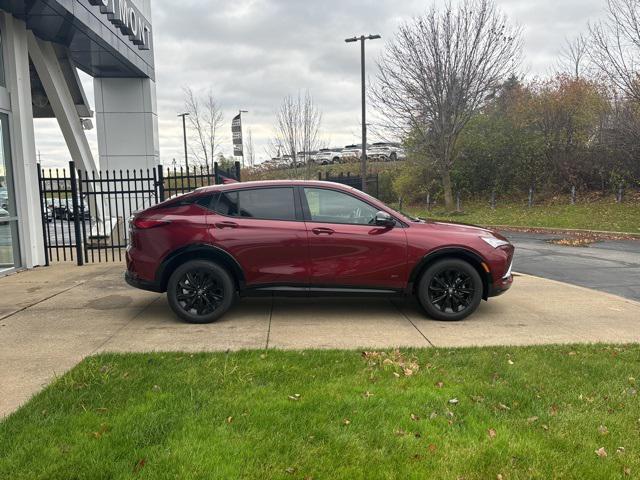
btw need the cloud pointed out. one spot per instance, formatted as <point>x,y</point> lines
<point>254,52</point>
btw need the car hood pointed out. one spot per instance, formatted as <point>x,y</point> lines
<point>463,228</point>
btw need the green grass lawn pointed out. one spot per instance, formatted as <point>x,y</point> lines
<point>479,413</point>
<point>598,215</point>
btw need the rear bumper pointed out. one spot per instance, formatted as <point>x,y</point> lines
<point>137,282</point>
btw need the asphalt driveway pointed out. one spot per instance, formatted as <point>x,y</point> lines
<point>51,318</point>
<point>610,266</point>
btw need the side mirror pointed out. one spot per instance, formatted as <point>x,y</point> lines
<point>383,219</point>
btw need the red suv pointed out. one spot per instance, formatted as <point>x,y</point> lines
<point>207,247</point>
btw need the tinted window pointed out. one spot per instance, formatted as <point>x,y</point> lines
<point>268,203</point>
<point>329,206</point>
<point>264,203</point>
<point>228,204</point>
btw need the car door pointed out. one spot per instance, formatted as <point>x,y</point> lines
<point>264,231</point>
<point>346,248</point>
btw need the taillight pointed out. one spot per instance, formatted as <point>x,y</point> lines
<point>146,223</point>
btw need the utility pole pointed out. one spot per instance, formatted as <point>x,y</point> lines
<point>363,158</point>
<point>184,135</point>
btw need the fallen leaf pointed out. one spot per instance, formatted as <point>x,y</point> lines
<point>620,450</point>
<point>553,410</point>
<point>602,430</point>
<point>627,471</point>
<point>229,419</point>
<point>453,401</point>
<point>502,406</point>
<point>290,470</point>
<point>415,417</point>
<point>439,384</point>
<point>408,372</point>
<point>294,397</point>
<point>433,415</point>
<point>400,433</point>
<point>346,421</point>
<point>396,374</point>
<point>499,476</point>
<point>545,427</point>
<point>156,388</point>
<point>572,353</point>
<point>601,452</point>
<point>492,433</point>
<point>367,394</point>
<point>477,398</point>
<point>139,464</point>
<point>510,362</point>
<point>532,419</point>
<point>432,448</point>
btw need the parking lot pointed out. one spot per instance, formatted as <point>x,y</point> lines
<point>51,318</point>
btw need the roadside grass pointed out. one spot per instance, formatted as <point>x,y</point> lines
<point>603,215</point>
<point>519,412</point>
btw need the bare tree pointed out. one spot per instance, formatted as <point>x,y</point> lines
<point>438,71</point>
<point>297,127</point>
<point>249,151</point>
<point>616,46</point>
<point>574,56</point>
<point>205,119</point>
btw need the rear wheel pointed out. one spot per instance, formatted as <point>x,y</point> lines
<point>450,289</point>
<point>200,291</point>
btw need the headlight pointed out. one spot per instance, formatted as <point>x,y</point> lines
<point>495,242</point>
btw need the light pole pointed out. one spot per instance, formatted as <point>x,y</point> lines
<point>184,135</point>
<point>363,159</point>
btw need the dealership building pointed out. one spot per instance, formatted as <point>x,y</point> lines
<point>42,45</point>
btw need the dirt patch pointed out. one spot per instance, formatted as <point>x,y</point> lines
<point>574,241</point>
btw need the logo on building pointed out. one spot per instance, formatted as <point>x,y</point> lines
<point>126,16</point>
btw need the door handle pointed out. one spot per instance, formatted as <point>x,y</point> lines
<point>322,231</point>
<point>226,225</point>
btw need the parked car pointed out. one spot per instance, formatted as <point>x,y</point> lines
<point>384,151</point>
<point>4,197</point>
<point>292,237</point>
<point>327,156</point>
<point>351,153</point>
<point>62,209</point>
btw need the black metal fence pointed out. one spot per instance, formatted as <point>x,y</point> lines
<point>354,181</point>
<point>84,213</point>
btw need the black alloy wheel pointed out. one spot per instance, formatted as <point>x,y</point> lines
<point>200,291</point>
<point>450,289</point>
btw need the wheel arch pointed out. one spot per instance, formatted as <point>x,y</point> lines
<point>461,253</point>
<point>199,252</point>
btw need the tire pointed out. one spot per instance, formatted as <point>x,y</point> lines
<point>393,157</point>
<point>450,290</point>
<point>212,294</point>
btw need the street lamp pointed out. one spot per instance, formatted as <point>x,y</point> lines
<point>363,160</point>
<point>184,134</point>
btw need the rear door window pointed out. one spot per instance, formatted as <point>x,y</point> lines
<point>262,203</point>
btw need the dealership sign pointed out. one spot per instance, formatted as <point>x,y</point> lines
<point>126,16</point>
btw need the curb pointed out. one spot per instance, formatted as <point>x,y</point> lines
<point>565,230</point>
<point>612,295</point>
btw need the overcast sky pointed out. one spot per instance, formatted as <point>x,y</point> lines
<point>254,52</point>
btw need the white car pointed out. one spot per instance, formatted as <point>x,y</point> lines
<point>385,151</point>
<point>351,153</point>
<point>326,156</point>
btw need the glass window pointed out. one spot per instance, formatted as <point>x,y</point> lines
<point>2,79</point>
<point>268,203</point>
<point>263,203</point>
<point>228,204</point>
<point>9,250</point>
<point>330,206</point>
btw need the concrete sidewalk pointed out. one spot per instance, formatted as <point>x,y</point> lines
<point>51,318</point>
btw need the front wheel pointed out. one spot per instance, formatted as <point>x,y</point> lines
<point>450,289</point>
<point>200,291</point>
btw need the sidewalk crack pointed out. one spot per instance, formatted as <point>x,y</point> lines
<point>269,328</point>
<point>409,320</point>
